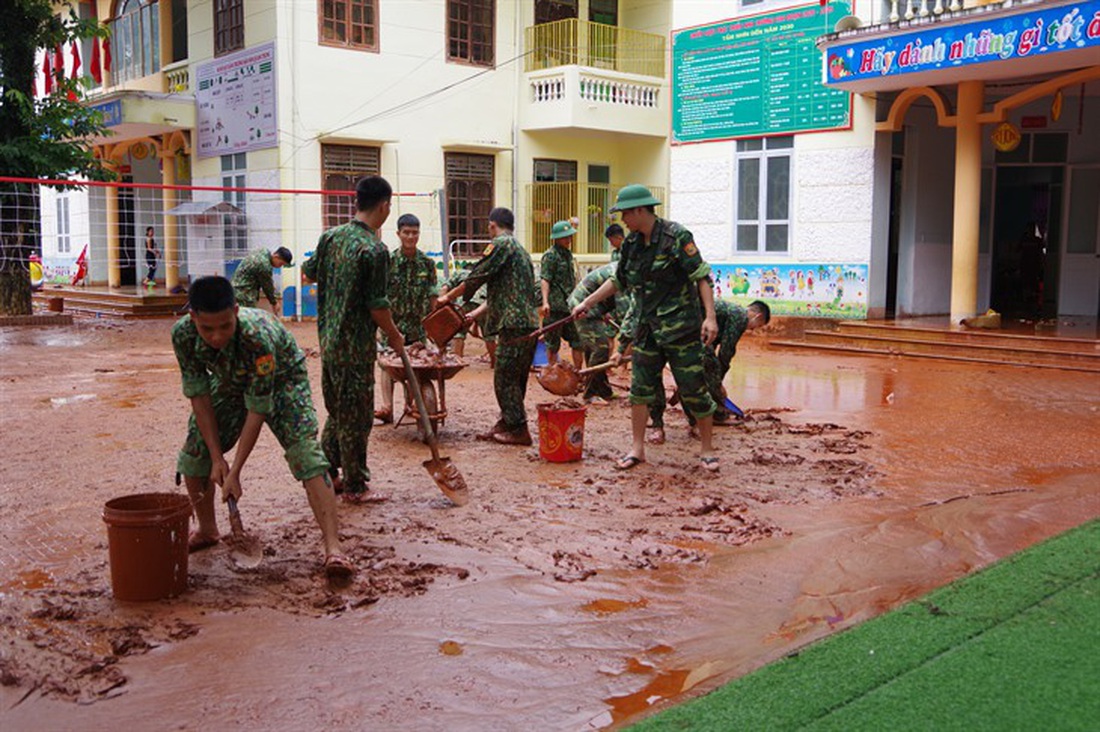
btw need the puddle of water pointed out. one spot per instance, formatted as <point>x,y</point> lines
<point>450,648</point>
<point>30,579</point>
<point>607,606</point>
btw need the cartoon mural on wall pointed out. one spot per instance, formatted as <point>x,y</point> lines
<point>810,290</point>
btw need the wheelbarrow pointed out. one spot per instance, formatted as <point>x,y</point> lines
<point>432,379</point>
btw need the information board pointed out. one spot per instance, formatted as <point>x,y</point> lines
<point>235,97</point>
<point>755,75</point>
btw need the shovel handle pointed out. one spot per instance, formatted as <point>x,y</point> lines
<point>601,367</point>
<point>544,329</point>
<point>425,421</point>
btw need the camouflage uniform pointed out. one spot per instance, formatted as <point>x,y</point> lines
<point>506,267</point>
<point>558,269</point>
<point>413,284</point>
<point>469,305</point>
<point>662,275</point>
<point>252,275</point>
<point>629,324</point>
<point>733,320</point>
<point>260,370</point>
<point>351,269</point>
<point>595,332</point>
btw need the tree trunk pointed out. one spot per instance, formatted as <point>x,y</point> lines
<point>19,238</point>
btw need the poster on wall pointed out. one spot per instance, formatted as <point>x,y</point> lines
<point>235,97</point>
<point>806,289</point>
<point>756,75</point>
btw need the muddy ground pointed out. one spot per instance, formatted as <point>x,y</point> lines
<point>851,486</point>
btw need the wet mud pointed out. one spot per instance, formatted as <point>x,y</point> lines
<point>567,595</point>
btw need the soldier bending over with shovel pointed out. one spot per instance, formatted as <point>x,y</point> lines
<point>242,368</point>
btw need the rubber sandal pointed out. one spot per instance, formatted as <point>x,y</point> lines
<point>384,416</point>
<point>710,463</point>
<point>197,542</point>
<point>628,462</point>
<point>338,567</point>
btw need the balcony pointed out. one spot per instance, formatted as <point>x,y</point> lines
<point>177,77</point>
<point>590,76</point>
<point>894,11</point>
<point>550,202</point>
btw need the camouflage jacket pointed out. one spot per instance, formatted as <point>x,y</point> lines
<point>589,284</point>
<point>558,269</point>
<point>662,276</point>
<point>351,268</point>
<point>261,353</point>
<point>252,275</point>
<point>413,284</point>
<point>506,267</point>
<point>732,322</point>
<point>457,279</point>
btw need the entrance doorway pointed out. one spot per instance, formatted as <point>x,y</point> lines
<point>127,240</point>
<point>1027,240</point>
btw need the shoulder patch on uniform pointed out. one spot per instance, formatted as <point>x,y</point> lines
<point>265,365</point>
<point>487,251</point>
<point>690,249</point>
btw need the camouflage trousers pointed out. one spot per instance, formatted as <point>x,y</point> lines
<point>567,332</point>
<point>348,391</point>
<point>293,421</point>
<point>596,338</point>
<point>715,373</point>
<point>685,359</point>
<point>510,377</point>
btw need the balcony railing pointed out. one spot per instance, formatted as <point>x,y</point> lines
<point>177,78</point>
<point>589,202</point>
<point>579,42</point>
<point>597,88</point>
<point>897,10</point>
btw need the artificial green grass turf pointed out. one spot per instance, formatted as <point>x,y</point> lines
<point>976,646</point>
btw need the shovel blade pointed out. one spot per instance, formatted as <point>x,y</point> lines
<point>447,476</point>
<point>560,379</point>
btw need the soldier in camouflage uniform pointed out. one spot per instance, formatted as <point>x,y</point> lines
<point>558,275</point>
<point>733,321</point>
<point>662,268</point>
<point>615,236</point>
<point>656,432</point>
<point>351,269</point>
<point>594,330</point>
<point>255,274</point>
<point>506,268</point>
<point>241,369</point>
<point>413,285</point>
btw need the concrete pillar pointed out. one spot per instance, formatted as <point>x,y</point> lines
<point>114,275</point>
<point>171,224</point>
<point>968,193</point>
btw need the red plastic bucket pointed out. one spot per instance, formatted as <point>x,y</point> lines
<point>147,543</point>
<point>561,433</point>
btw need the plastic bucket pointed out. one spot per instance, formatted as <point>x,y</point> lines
<point>561,433</point>
<point>147,543</point>
<point>541,359</point>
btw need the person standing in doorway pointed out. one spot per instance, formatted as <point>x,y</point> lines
<point>152,254</point>
<point>505,268</point>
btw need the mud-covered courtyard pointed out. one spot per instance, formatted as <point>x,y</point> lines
<point>565,595</point>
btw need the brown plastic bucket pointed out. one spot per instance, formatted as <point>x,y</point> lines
<point>443,324</point>
<point>147,542</point>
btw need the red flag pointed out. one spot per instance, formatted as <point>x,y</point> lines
<point>95,70</point>
<point>76,59</point>
<point>106,54</point>
<point>47,73</point>
<point>58,62</point>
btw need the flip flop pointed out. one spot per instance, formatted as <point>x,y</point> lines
<point>338,567</point>
<point>627,462</point>
<point>710,463</point>
<point>197,542</point>
<point>385,416</point>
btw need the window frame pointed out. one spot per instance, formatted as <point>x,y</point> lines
<point>337,210</point>
<point>347,42</point>
<point>476,209</point>
<point>136,33</point>
<point>770,148</point>
<point>64,224</point>
<point>228,26</point>
<point>235,226</point>
<point>491,43</point>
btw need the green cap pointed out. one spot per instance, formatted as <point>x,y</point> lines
<point>562,229</point>
<point>633,196</point>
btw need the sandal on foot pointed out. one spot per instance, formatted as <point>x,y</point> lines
<point>655,436</point>
<point>338,567</point>
<point>627,462</point>
<point>196,542</point>
<point>385,416</point>
<point>710,463</point>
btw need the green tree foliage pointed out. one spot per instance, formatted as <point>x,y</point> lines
<point>39,138</point>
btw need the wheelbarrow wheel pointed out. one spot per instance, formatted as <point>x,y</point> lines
<point>427,390</point>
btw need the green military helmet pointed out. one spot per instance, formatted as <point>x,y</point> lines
<point>633,196</point>
<point>562,229</point>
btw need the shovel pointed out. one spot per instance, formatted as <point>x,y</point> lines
<point>544,329</point>
<point>443,471</point>
<point>244,549</point>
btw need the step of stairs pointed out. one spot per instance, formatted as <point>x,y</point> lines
<point>95,303</point>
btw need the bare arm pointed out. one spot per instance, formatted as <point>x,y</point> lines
<point>544,310</point>
<point>383,317</point>
<point>451,295</point>
<point>203,407</point>
<point>253,423</point>
<point>710,322</point>
<point>607,289</point>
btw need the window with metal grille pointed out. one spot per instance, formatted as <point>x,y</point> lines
<point>228,26</point>
<point>341,168</point>
<point>471,31</point>
<point>469,198</point>
<point>349,24</point>
<point>762,203</point>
